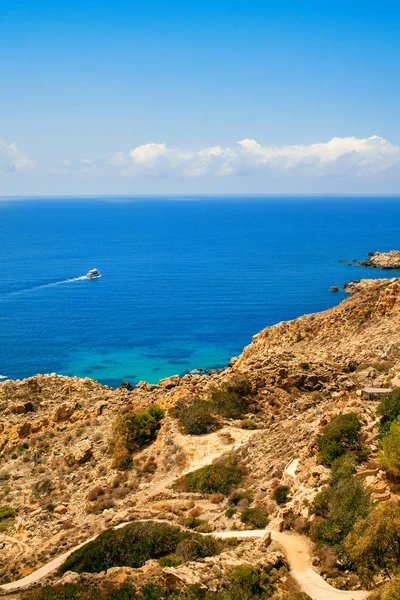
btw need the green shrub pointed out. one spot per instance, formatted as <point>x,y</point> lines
<point>389,591</point>
<point>256,518</point>
<point>389,456</point>
<point>171,560</point>
<point>133,431</point>
<point>247,582</point>
<point>192,522</point>
<point>196,418</point>
<point>389,410</point>
<point>6,512</point>
<point>338,437</point>
<point>218,477</point>
<point>374,544</point>
<point>134,544</point>
<point>230,512</point>
<point>343,467</point>
<point>338,507</point>
<point>281,493</point>
<point>239,495</point>
<point>229,400</point>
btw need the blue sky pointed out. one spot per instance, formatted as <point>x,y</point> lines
<point>129,97</point>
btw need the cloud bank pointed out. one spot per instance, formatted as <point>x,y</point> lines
<point>11,158</point>
<point>348,156</point>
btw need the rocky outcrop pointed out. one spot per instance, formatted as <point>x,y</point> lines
<point>56,471</point>
<point>382,260</point>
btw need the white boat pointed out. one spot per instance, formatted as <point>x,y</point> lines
<point>93,274</point>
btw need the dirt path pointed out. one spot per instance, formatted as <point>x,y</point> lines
<point>296,548</point>
<point>298,552</point>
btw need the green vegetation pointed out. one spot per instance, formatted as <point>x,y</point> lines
<point>238,495</point>
<point>198,416</point>
<point>171,560</point>
<point>281,493</point>
<point>255,518</point>
<point>389,457</point>
<point>219,477</point>
<point>338,506</point>
<point>339,436</point>
<point>134,544</point>
<point>390,591</point>
<point>374,544</point>
<point>389,411</point>
<point>230,399</point>
<point>7,516</point>
<point>6,512</point>
<point>133,431</point>
<point>245,582</point>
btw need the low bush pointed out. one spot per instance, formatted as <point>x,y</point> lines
<point>281,493</point>
<point>389,591</point>
<point>389,456</point>
<point>339,436</point>
<point>171,560</point>
<point>256,518</point>
<point>134,544</point>
<point>230,512</point>
<point>133,431</point>
<point>338,506</point>
<point>6,512</point>
<point>389,411</point>
<point>374,544</point>
<point>219,477</point>
<point>192,522</point>
<point>238,495</point>
<point>247,582</point>
<point>230,400</point>
<point>196,418</point>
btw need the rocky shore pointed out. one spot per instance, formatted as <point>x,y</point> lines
<point>57,475</point>
<point>382,260</point>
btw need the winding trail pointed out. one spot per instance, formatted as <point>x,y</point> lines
<point>296,548</point>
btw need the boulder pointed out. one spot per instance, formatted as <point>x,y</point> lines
<point>63,412</point>
<point>82,452</point>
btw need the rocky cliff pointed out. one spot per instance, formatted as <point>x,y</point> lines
<point>55,468</point>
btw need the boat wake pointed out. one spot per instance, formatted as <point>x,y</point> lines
<point>45,285</point>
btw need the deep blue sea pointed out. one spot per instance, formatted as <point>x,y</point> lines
<point>185,282</point>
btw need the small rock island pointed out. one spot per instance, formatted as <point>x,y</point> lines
<point>382,260</point>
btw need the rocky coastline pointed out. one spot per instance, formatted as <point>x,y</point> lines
<point>382,260</point>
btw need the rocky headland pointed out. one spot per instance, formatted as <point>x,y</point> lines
<point>382,260</point>
<point>61,481</point>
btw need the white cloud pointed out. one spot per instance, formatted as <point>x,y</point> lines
<point>11,158</point>
<point>349,156</point>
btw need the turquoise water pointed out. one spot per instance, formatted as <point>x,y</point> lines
<point>185,282</point>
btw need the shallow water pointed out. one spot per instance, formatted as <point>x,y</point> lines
<point>184,284</point>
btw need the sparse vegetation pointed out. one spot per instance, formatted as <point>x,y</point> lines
<point>255,518</point>
<point>133,431</point>
<point>196,418</point>
<point>389,457</point>
<point>219,477</point>
<point>7,516</point>
<point>389,411</point>
<point>339,436</point>
<point>230,400</point>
